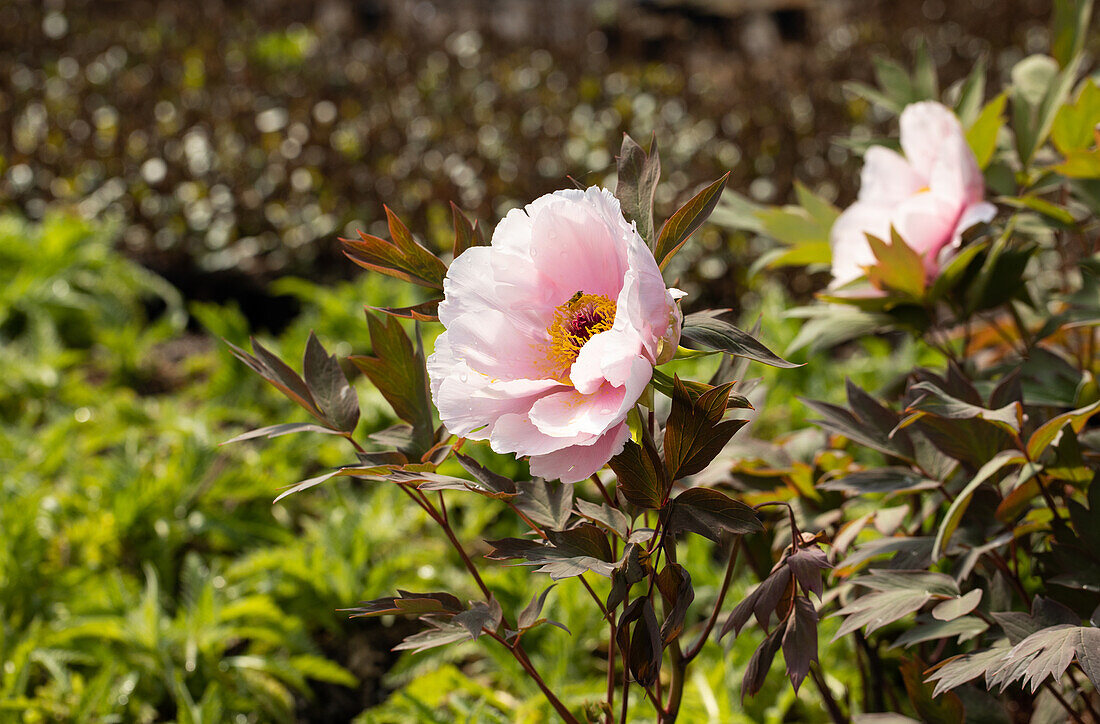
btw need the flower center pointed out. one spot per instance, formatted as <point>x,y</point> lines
<point>575,322</point>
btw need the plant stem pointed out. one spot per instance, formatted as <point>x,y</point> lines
<point>675,684</point>
<point>603,491</point>
<point>1084,695</point>
<point>611,646</point>
<point>1065,704</point>
<point>835,712</point>
<point>698,645</point>
<point>626,688</point>
<point>521,657</point>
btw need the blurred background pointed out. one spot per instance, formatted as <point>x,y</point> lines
<point>232,142</point>
<point>172,174</point>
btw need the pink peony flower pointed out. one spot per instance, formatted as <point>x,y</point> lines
<point>552,333</point>
<point>930,196</point>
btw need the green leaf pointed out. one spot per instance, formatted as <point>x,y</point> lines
<point>1039,93</point>
<point>792,225</point>
<point>399,373</point>
<point>402,258</point>
<point>1045,434</point>
<point>736,212</point>
<point>1071,24</point>
<point>711,514</point>
<point>894,81</point>
<point>686,220</point>
<point>875,97</point>
<point>925,83</point>
<point>710,332</point>
<point>982,134</point>
<point>1079,165</point>
<point>818,207</point>
<point>334,396</point>
<point>638,174</point>
<point>898,269</point>
<point>953,608</point>
<point>1074,126</point>
<point>1044,207</point>
<point>952,272</point>
<point>965,628</point>
<point>971,94</point>
<point>955,513</point>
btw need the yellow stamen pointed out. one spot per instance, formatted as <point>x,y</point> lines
<point>575,322</point>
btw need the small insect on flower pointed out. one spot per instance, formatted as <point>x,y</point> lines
<point>552,333</point>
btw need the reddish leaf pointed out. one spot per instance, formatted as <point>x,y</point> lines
<point>757,670</point>
<point>335,398</point>
<point>278,373</point>
<point>711,514</point>
<point>398,371</point>
<point>467,233</point>
<point>402,258</point>
<point>800,640</point>
<point>674,582</point>
<point>641,481</point>
<point>682,224</point>
<point>638,173</point>
<point>424,312</point>
<point>806,565</point>
<point>695,432</point>
<point>645,646</point>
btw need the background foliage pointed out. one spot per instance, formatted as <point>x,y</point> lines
<point>144,573</point>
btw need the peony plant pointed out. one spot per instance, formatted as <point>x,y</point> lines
<point>554,335</point>
<point>929,196</point>
<point>962,500</point>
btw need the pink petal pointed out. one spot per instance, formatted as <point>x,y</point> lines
<point>887,178</point>
<point>470,403</point>
<point>501,345</point>
<point>575,248</point>
<point>848,239</point>
<point>926,221</point>
<point>644,298</point>
<point>515,433</point>
<point>608,356</point>
<point>955,174</point>
<point>571,412</point>
<point>925,129</point>
<point>577,462</point>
